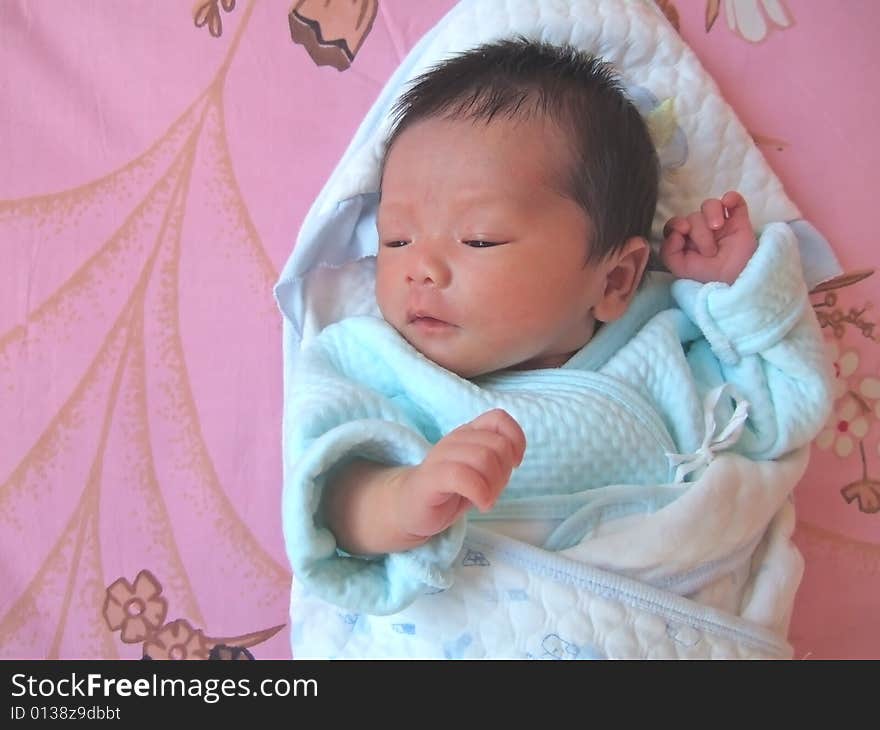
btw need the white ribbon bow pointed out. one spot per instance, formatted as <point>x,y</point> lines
<point>729,435</point>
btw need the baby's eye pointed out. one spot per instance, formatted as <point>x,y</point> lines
<point>481,244</point>
<point>395,244</point>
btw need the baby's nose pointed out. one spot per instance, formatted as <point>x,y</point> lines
<point>429,270</point>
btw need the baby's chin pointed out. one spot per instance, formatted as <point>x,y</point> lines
<point>470,360</point>
<point>464,365</point>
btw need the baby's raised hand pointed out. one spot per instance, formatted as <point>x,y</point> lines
<point>712,244</point>
<point>470,466</point>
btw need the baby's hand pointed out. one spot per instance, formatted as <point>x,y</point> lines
<point>713,244</point>
<point>468,467</point>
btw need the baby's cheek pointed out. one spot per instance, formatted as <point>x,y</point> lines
<point>386,294</point>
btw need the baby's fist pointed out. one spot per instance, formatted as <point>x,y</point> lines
<point>469,467</point>
<point>712,244</point>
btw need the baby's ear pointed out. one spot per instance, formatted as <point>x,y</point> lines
<point>623,272</point>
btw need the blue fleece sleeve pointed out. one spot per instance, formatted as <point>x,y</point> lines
<point>761,335</point>
<point>331,419</point>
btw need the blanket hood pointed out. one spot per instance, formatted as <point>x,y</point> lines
<point>703,147</point>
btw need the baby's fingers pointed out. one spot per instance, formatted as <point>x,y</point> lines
<point>676,225</point>
<point>672,250</point>
<point>476,473</point>
<point>713,212</point>
<point>701,235</point>
<point>502,423</point>
<point>736,206</point>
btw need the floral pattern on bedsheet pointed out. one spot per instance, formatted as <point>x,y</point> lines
<point>148,201</point>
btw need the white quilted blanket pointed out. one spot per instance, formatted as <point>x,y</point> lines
<point>713,574</point>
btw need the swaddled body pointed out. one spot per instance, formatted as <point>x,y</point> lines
<point>519,364</point>
<point>610,415</point>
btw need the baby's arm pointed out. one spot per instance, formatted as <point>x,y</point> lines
<point>344,531</point>
<point>759,332</point>
<point>373,509</point>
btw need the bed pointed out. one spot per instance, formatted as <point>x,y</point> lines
<point>156,162</point>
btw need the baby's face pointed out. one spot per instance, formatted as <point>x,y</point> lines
<point>481,261</point>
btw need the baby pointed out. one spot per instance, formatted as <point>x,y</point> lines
<point>522,359</point>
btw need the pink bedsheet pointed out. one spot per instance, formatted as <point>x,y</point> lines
<point>154,170</point>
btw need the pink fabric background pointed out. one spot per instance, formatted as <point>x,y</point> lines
<point>152,181</point>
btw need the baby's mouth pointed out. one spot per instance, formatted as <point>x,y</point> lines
<point>427,322</point>
<point>425,318</point>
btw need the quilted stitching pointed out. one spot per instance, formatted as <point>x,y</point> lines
<point>515,611</point>
<point>634,37</point>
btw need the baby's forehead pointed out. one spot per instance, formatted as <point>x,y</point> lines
<point>533,150</point>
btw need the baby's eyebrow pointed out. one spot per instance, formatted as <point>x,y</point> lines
<point>392,208</point>
<point>465,204</point>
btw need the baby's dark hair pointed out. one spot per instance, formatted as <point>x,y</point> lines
<point>614,170</point>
